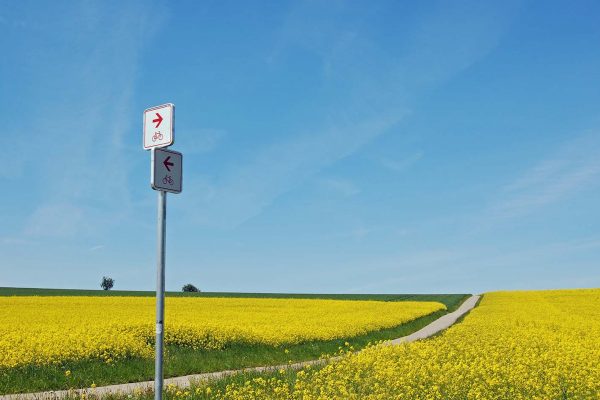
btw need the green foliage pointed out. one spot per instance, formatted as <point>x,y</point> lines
<point>452,301</point>
<point>189,288</point>
<point>107,283</point>
<point>181,361</point>
<point>184,361</point>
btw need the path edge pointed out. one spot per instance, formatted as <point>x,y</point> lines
<point>433,328</point>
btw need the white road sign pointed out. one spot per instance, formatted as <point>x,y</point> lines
<point>166,170</point>
<point>159,126</point>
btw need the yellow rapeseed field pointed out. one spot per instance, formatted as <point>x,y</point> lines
<point>515,345</point>
<point>50,330</point>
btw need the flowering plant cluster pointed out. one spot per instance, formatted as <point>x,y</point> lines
<point>40,330</point>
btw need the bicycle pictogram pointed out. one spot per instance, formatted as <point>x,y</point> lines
<point>167,179</point>
<point>157,136</point>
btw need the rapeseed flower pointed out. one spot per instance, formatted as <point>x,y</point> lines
<point>40,330</point>
<point>514,345</point>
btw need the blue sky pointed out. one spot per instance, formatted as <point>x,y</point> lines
<point>328,146</point>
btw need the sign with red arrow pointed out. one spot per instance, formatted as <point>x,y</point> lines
<point>166,171</point>
<point>159,126</point>
<point>157,120</point>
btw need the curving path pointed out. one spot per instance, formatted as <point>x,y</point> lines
<point>436,326</point>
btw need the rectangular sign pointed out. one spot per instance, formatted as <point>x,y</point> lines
<point>166,170</point>
<point>159,126</point>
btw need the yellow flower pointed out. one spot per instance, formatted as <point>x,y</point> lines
<point>68,372</point>
<point>514,345</point>
<point>79,328</point>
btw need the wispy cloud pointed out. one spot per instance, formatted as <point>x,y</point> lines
<point>357,233</point>
<point>203,141</point>
<point>55,220</point>
<point>452,37</point>
<point>442,269</point>
<point>15,241</point>
<point>343,186</point>
<point>574,167</point>
<point>249,188</point>
<point>373,105</point>
<point>74,143</point>
<point>402,164</point>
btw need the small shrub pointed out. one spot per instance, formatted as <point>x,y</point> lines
<point>107,283</point>
<point>188,287</point>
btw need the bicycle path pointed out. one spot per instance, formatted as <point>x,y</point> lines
<point>434,327</point>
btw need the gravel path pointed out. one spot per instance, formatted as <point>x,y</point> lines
<point>184,381</point>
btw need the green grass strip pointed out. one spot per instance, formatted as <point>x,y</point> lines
<point>185,361</point>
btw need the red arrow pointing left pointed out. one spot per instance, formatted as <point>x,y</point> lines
<point>168,164</point>
<point>158,119</point>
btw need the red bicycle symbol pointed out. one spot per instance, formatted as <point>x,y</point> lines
<point>167,179</point>
<point>157,136</point>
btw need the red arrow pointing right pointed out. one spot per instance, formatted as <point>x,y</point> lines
<point>158,120</point>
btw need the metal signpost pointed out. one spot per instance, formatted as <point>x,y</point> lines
<point>165,176</point>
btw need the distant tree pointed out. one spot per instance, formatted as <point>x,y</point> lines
<point>188,287</point>
<point>107,283</point>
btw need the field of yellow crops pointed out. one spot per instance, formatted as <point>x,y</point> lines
<point>51,330</point>
<point>514,345</point>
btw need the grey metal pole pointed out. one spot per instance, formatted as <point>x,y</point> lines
<point>160,294</point>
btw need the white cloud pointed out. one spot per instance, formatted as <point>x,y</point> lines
<point>55,220</point>
<point>74,142</point>
<point>343,186</point>
<point>249,188</point>
<point>442,44</point>
<point>15,241</point>
<point>575,167</point>
<point>455,269</point>
<point>400,165</point>
<point>202,141</point>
